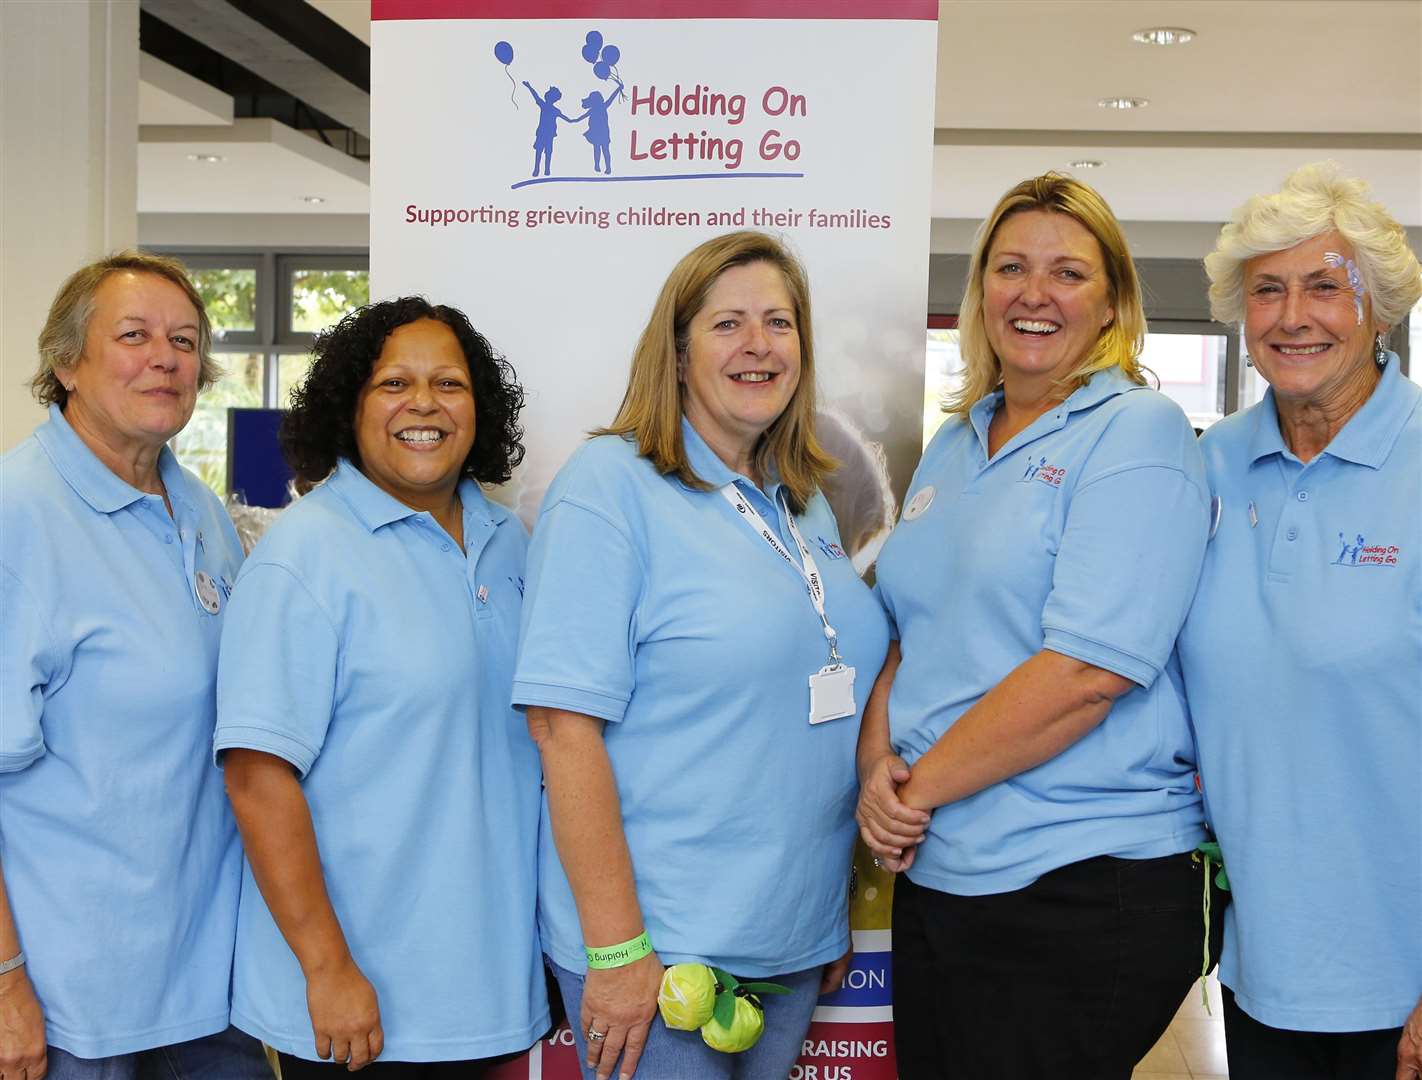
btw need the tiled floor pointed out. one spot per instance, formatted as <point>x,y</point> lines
<point>1193,1048</point>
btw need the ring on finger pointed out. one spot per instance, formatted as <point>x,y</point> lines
<point>596,1036</point>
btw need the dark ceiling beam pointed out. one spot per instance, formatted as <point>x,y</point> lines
<point>251,43</point>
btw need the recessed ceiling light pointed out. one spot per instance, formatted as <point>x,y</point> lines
<point>1087,163</point>
<point>206,159</point>
<point>314,200</point>
<point>1164,35</point>
<point>1123,103</point>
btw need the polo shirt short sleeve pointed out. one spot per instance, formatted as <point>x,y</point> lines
<point>1083,535</point>
<point>652,606</point>
<point>367,650</point>
<point>1302,660</point>
<point>121,857</point>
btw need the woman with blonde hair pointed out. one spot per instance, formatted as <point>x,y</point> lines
<point>692,633</point>
<point>1026,756</point>
<point>1303,650</point>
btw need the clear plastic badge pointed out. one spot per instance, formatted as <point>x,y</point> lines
<point>831,693</point>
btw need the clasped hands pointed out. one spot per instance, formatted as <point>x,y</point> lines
<point>891,829</point>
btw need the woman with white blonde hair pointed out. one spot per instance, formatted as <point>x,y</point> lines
<point>1026,757</point>
<point>1302,653</point>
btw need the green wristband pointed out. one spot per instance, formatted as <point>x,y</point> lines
<point>616,956</point>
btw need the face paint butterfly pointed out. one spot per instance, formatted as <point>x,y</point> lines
<point>1332,258</point>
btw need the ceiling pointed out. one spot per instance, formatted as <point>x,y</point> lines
<point>1265,86</point>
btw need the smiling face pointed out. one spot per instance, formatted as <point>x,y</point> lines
<point>1046,296</point>
<point>414,422</point>
<point>1301,324</point>
<point>135,383</point>
<point>742,360</point>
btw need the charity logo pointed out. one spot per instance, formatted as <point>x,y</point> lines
<point>834,551</point>
<point>689,124</point>
<point>1358,552</point>
<point>1039,470</point>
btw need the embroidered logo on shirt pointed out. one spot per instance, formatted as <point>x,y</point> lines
<point>834,551</point>
<point>1039,470</point>
<point>1358,552</point>
<point>517,583</point>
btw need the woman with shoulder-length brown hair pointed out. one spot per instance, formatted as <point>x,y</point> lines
<point>691,637</point>
<point>1026,755</point>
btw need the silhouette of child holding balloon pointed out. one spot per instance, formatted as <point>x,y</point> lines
<point>598,132</point>
<point>548,116</point>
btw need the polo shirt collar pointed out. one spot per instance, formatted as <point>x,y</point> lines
<point>1101,386</point>
<point>1368,436</point>
<point>91,479</point>
<point>373,507</point>
<point>705,464</point>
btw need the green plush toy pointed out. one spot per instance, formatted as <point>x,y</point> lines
<point>687,997</point>
<point>727,1011</point>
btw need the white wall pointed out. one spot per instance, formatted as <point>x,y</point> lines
<point>68,166</point>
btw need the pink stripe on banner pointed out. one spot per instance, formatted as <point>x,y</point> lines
<point>653,9</point>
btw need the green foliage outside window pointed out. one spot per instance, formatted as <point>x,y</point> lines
<point>320,297</point>
<point>230,296</point>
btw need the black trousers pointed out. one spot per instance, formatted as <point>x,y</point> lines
<point>1075,976</point>
<point>1259,1052</point>
<point>295,1068</point>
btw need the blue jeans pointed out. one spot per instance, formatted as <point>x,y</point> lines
<point>227,1055</point>
<point>676,1055</point>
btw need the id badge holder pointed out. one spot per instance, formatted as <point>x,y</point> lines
<point>831,693</point>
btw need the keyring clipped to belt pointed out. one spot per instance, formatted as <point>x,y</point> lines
<point>1209,853</point>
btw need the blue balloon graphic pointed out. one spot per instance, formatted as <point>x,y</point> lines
<point>601,70</point>
<point>611,54</point>
<point>590,53</point>
<point>503,52</point>
<point>594,39</point>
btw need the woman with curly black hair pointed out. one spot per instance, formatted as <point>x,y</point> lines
<point>363,706</point>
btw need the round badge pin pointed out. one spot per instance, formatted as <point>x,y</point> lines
<point>921,500</point>
<point>207,593</point>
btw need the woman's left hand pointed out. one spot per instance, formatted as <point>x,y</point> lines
<point>834,973</point>
<point>890,829</point>
<point>621,1004</point>
<point>1409,1047</point>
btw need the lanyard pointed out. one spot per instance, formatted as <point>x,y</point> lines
<point>806,567</point>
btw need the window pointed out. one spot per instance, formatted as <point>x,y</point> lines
<point>265,309</point>
<point>1414,344</point>
<point>943,372</point>
<point>1191,361</point>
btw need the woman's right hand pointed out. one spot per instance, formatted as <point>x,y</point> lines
<point>345,1015</point>
<point>23,1050</point>
<point>621,1003</point>
<point>891,829</point>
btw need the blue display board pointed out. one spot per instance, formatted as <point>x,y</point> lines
<point>255,467</point>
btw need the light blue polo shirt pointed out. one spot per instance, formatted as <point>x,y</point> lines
<point>367,650</point>
<point>1303,663</point>
<point>1083,535</point>
<point>119,851</point>
<point>654,607</point>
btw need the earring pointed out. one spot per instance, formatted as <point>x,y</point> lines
<point>1380,352</point>
<point>1248,362</point>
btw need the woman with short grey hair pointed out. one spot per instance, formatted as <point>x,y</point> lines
<point>1302,653</point>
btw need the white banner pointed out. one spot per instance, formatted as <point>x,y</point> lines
<point>543,164</point>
